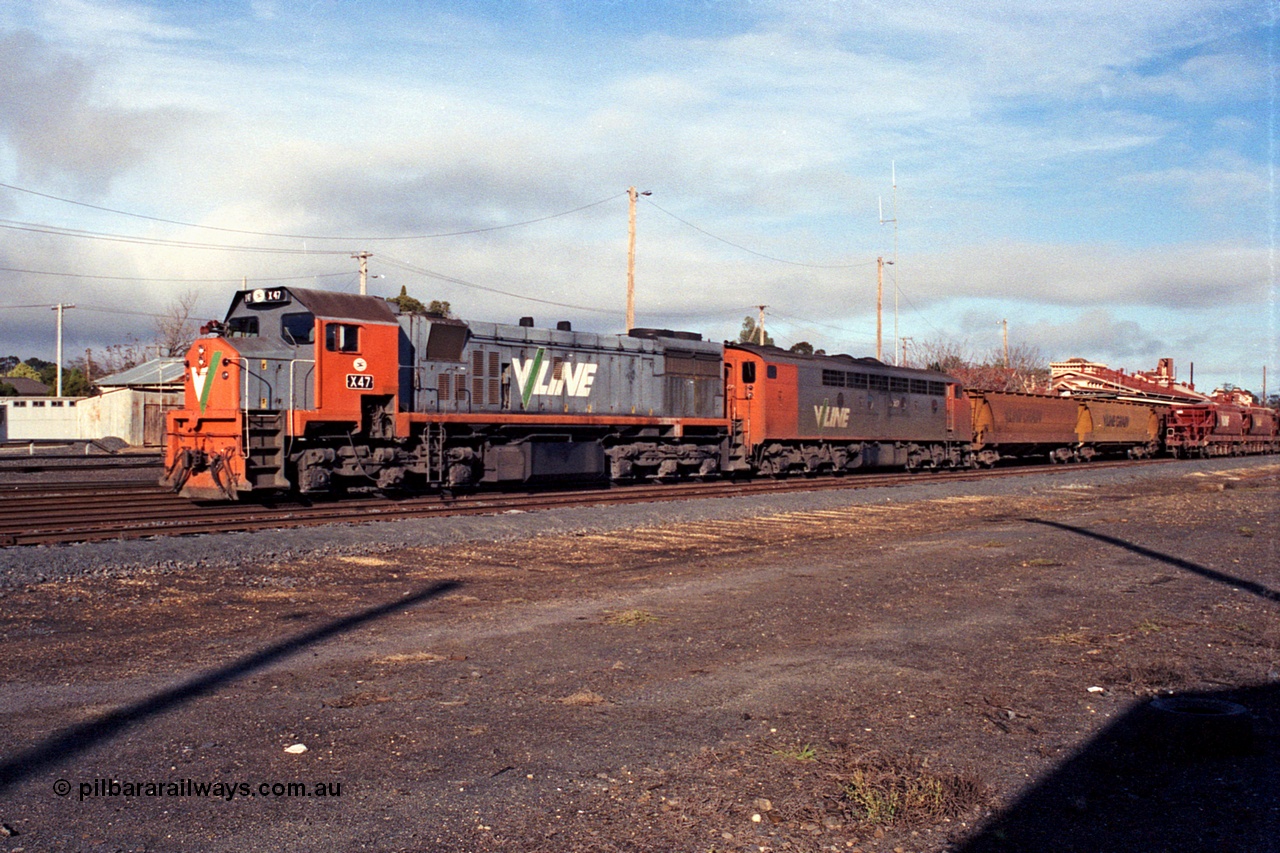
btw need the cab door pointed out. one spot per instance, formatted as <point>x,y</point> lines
<point>742,373</point>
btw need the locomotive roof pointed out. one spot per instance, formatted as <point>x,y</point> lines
<point>330,305</point>
<point>839,361</point>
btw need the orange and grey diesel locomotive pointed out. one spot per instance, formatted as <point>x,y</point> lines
<point>312,391</point>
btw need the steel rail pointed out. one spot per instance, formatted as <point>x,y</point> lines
<point>94,514</point>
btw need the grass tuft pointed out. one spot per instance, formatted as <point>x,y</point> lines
<point>629,618</point>
<point>803,752</point>
<point>887,792</point>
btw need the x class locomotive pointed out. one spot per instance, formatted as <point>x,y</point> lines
<point>313,392</point>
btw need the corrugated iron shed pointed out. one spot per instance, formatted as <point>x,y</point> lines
<point>157,371</point>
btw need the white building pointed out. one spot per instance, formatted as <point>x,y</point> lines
<point>131,407</point>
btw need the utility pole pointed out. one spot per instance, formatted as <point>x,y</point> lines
<point>760,325</point>
<point>880,262</point>
<point>1004,324</point>
<point>363,258</point>
<point>905,339</point>
<point>60,308</point>
<point>631,255</point>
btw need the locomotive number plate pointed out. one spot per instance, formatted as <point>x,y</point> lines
<point>362,381</point>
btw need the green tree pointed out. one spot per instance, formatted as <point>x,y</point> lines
<point>801,348</point>
<point>74,383</point>
<point>22,370</point>
<point>406,304</point>
<point>750,333</point>
<point>7,390</point>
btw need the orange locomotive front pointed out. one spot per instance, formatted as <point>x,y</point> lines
<point>280,359</point>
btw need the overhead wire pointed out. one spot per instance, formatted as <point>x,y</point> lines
<point>707,233</point>
<point>38,228</point>
<point>356,238</point>
<point>347,273</point>
<point>407,267</point>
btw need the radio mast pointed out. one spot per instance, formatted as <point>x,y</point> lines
<point>893,275</point>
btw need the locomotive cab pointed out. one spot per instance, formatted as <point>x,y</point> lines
<point>259,379</point>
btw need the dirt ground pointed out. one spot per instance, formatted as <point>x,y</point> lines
<point>963,673</point>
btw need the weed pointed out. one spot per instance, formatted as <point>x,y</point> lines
<point>1246,531</point>
<point>886,792</point>
<point>583,698</point>
<point>409,657</point>
<point>1068,638</point>
<point>805,752</point>
<point>629,618</point>
<point>1040,561</point>
<point>1147,626</point>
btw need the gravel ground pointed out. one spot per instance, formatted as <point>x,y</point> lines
<point>23,565</point>
<point>937,667</point>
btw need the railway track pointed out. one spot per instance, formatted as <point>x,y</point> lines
<point>48,514</point>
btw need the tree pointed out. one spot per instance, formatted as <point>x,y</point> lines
<point>406,304</point>
<point>22,370</point>
<point>175,330</point>
<point>750,333</point>
<point>74,384</point>
<point>801,348</point>
<point>116,358</point>
<point>7,390</point>
<point>1027,370</point>
<point>7,363</point>
<point>439,308</point>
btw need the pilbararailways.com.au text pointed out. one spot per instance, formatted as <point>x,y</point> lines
<point>110,788</point>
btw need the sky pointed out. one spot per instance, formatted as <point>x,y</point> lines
<point>1098,173</point>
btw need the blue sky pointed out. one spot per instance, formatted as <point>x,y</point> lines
<point>1101,174</point>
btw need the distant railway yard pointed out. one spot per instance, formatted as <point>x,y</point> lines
<point>907,663</point>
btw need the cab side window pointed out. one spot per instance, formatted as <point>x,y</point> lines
<point>748,371</point>
<point>298,329</point>
<point>340,337</point>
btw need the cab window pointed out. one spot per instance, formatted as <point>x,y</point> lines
<point>748,371</point>
<point>298,328</point>
<point>340,337</point>
<point>242,327</point>
<point>771,371</point>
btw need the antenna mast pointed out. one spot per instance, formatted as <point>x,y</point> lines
<point>893,275</point>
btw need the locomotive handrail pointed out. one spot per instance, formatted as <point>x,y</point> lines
<point>292,363</point>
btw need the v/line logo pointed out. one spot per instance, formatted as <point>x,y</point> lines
<point>203,379</point>
<point>830,417</point>
<point>532,378</point>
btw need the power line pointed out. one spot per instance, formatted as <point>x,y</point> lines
<point>363,238</point>
<point>174,280</point>
<point>463,283</point>
<point>704,231</point>
<point>38,228</point>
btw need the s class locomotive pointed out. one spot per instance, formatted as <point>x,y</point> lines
<point>312,391</point>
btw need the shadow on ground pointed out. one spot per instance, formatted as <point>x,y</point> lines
<point>1185,773</point>
<point>79,738</point>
